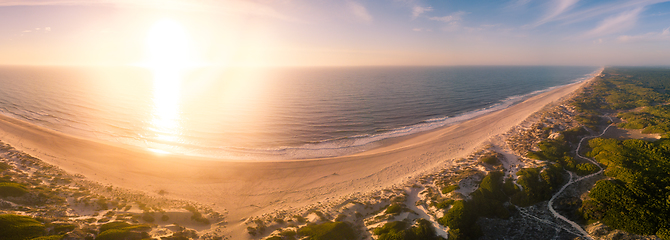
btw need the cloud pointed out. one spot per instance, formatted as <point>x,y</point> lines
<point>517,3</point>
<point>457,16</point>
<point>422,29</point>
<point>557,8</point>
<point>604,10</point>
<point>453,21</point>
<point>359,11</point>
<point>418,10</point>
<point>47,29</point>
<point>652,36</point>
<point>615,24</point>
<point>237,7</point>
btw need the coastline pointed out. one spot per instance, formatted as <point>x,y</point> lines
<point>249,188</point>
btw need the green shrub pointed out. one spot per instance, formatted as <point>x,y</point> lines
<point>450,188</point>
<point>52,237</point>
<point>491,159</point>
<point>299,218</point>
<point>399,230</point>
<point>63,228</point>
<point>586,168</point>
<point>663,233</point>
<point>114,225</point>
<point>537,184</point>
<point>444,204</point>
<point>10,189</point>
<point>390,227</point>
<point>328,231</point>
<point>509,188</point>
<point>114,234</point>
<point>16,227</point>
<point>393,209</point>
<point>4,166</point>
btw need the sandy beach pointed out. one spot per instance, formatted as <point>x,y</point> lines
<point>251,188</point>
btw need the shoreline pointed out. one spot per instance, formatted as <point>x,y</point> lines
<point>250,188</point>
<point>300,146</point>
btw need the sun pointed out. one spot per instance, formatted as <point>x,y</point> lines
<point>168,46</point>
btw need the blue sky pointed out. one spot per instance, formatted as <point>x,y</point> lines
<point>348,32</point>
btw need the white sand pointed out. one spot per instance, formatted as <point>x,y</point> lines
<point>252,188</point>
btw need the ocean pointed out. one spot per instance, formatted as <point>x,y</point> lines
<point>265,113</point>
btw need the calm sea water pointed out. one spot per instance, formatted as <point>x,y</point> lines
<point>273,113</point>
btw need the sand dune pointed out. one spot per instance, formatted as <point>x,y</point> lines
<point>255,187</point>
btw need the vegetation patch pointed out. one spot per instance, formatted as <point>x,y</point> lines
<point>487,201</point>
<point>11,189</point>
<point>537,184</point>
<point>491,158</point>
<point>450,188</point>
<point>17,227</point>
<point>636,200</point>
<point>400,230</point>
<point>393,209</point>
<point>328,231</point>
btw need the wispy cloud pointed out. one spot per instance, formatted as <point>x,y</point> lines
<point>619,23</point>
<point>517,3</point>
<point>422,29</point>
<point>453,21</point>
<point>37,30</point>
<point>240,7</point>
<point>606,10</point>
<point>359,11</point>
<point>557,7</point>
<point>457,16</point>
<point>652,36</point>
<point>418,10</point>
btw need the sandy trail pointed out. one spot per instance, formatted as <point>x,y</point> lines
<point>413,197</point>
<point>251,188</point>
<point>550,204</point>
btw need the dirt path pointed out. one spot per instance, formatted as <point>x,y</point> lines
<point>572,181</point>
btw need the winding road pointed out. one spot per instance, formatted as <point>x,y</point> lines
<point>572,180</point>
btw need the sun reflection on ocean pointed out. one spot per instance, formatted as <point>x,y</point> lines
<point>169,57</point>
<point>166,98</point>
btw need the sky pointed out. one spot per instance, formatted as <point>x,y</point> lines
<point>337,32</point>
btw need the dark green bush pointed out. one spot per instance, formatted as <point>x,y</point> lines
<point>393,209</point>
<point>63,228</point>
<point>114,225</point>
<point>115,234</point>
<point>10,189</point>
<point>328,231</point>
<point>399,230</point>
<point>17,227</point>
<point>491,159</point>
<point>52,237</point>
<point>4,166</point>
<point>450,188</point>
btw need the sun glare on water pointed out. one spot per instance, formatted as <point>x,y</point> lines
<point>168,56</point>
